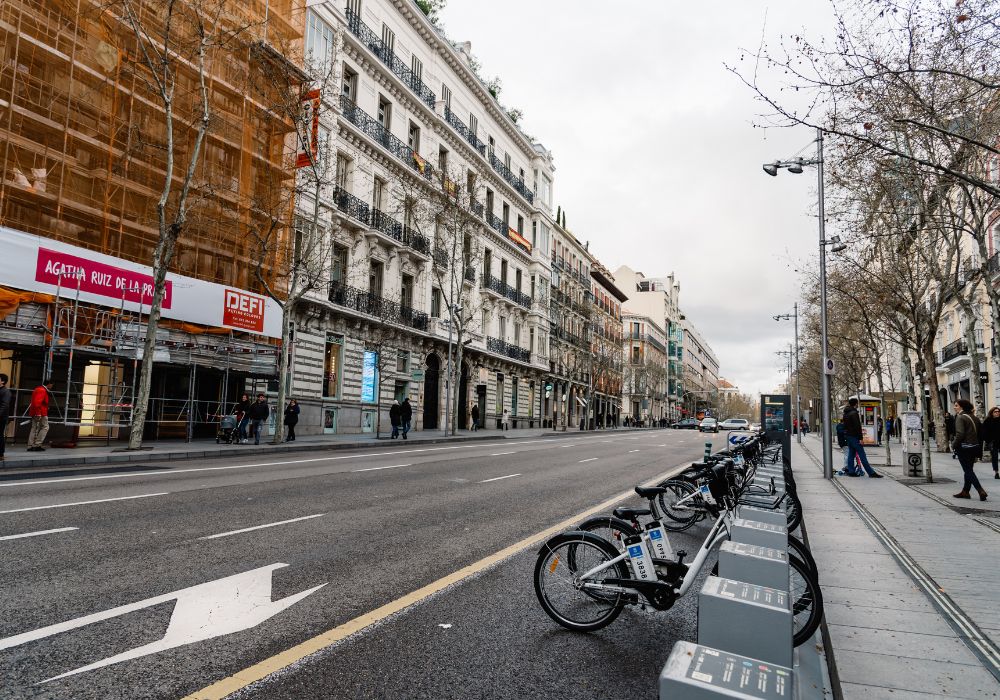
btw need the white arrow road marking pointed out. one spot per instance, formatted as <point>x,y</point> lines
<point>39,532</point>
<point>498,478</point>
<point>260,527</point>
<point>83,503</point>
<point>208,610</point>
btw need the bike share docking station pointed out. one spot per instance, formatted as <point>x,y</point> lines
<point>697,672</point>
<point>762,566</point>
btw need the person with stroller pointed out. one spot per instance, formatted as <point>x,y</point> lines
<point>291,419</point>
<point>242,413</point>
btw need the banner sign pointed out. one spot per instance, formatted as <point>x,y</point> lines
<point>308,130</point>
<point>368,371</point>
<point>38,264</point>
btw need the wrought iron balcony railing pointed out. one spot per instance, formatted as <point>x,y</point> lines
<point>502,347</point>
<point>351,205</point>
<point>440,256</point>
<point>464,131</point>
<point>372,304</point>
<point>416,241</point>
<point>389,58</point>
<point>475,207</point>
<point>381,221</point>
<point>470,274</point>
<point>378,133</point>
<point>503,289</point>
<point>513,180</point>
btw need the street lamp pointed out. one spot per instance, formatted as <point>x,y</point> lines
<point>796,166</point>
<point>798,396</point>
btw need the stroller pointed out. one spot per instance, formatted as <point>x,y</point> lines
<point>227,430</point>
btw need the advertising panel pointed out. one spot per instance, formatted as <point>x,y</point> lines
<point>369,370</point>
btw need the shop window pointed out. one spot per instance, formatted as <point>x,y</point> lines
<point>332,363</point>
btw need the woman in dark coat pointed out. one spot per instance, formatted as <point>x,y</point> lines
<point>291,418</point>
<point>242,417</point>
<point>991,436</point>
<point>968,447</point>
<point>395,416</point>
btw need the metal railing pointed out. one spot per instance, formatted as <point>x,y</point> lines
<point>440,256</point>
<point>389,58</point>
<point>351,205</point>
<point>371,128</point>
<point>379,307</point>
<point>502,347</point>
<point>416,241</point>
<point>464,131</point>
<point>475,207</point>
<point>952,350</point>
<point>503,289</point>
<point>470,274</point>
<point>513,180</point>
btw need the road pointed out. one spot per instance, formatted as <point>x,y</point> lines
<point>158,581</point>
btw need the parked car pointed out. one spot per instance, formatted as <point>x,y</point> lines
<point>709,425</point>
<point>686,424</point>
<point>755,427</point>
<point>735,424</point>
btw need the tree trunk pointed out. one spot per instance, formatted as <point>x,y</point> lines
<point>975,382</point>
<point>284,355</point>
<point>456,385</point>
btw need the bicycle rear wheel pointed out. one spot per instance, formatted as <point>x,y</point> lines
<point>793,510</point>
<point>678,519</point>
<point>806,601</point>
<point>799,549</point>
<point>560,562</point>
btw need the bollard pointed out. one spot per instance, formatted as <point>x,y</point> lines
<point>773,516</point>
<point>760,534</point>
<point>746,619</point>
<point>762,566</point>
<point>697,672</point>
<point>708,451</point>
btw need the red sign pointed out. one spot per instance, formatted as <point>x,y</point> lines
<point>309,130</point>
<point>71,272</point>
<point>243,310</point>
<point>519,238</point>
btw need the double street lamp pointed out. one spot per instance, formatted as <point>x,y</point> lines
<point>796,166</point>
<point>798,397</point>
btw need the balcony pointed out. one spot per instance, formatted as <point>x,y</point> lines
<point>378,307</point>
<point>380,221</point>
<point>389,58</point>
<point>440,257</point>
<point>351,205</point>
<point>384,223</point>
<point>558,333</point>
<point>378,133</point>
<point>502,347</point>
<point>475,207</point>
<point>464,131</point>
<point>513,180</point>
<point>500,287</point>
<point>955,355</point>
<point>470,274</point>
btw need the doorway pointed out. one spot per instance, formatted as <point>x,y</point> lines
<point>432,376</point>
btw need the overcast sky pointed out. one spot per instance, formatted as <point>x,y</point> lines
<point>657,160</point>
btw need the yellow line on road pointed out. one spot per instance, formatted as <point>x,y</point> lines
<point>263,669</point>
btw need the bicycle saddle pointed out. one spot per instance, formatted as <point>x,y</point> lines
<point>630,513</point>
<point>648,492</point>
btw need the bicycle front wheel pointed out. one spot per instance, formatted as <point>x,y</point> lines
<point>561,561</point>
<point>677,518</point>
<point>806,600</point>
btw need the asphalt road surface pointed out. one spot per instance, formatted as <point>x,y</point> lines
<point>386,573</point>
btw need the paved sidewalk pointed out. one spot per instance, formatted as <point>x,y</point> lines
<point>99,454</point>
<point>892,561</point>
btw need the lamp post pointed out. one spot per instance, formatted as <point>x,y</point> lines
<point>798,396</point>
<point>795,166</point>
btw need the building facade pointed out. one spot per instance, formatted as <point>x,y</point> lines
<point>645,381</point>
<point>438,217</point>
<point>701,372</point>
<point>606,348</point>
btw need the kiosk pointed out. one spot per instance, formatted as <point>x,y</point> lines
<point>776,421</point>
<point>870,410</point>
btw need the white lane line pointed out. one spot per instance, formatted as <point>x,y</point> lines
<point>83,503</point>
<point>501,454</point>
<point>586,460</point>
<point>39,532</point>
<point>261,527</point>
<point>661,445</point>
<point>498,478</point>
<point>375,469</point>
<point>633,450</point>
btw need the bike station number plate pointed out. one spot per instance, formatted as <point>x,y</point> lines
<point>756,551</point>
<point>699,672</point>
<point>750,593</point>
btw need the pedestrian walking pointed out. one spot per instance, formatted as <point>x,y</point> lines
<point>899,428</point>
<point>291,418</point>
<point>505,419</point>
<point>6,401</point>
<point>949,427</point>
<point>991,436</point>
<point>395,414</point>
<point>855,450</point>
<point>38,409</point>
<point>805,427</point>
<point>968,447</point>
<point>880,432</point>
<point>405,416</point>
<point>475,418</point>
<point>259,412</point>
<point>241,411</point>
<point>889,428</point>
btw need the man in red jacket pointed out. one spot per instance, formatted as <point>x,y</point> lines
<point>39,412</point>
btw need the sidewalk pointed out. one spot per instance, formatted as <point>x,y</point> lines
<point>98,454</point>
<point>910,586</point>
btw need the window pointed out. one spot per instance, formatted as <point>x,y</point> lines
<point>343,166</point>
<point>319,43</point>
<point>375,278</point>
<point>532,286</point>
<point>503,271</point>
<point>503,328</point>
<point>354,6</point>
<point>388,39</point>
<point>435,303</point>
<point>489,203</point>
<point>338,269</point>
<point>506,214</point>
<point>446,95</point>
<point>517,280</point>
<point>546,194</point>
<point>534,234</point>
<point>544,240</point>
<point>413,138</point>
<point>443,161</point>
<point>520,224</point>
<point>473,123</point>
<point>531,340</point>
<point>636,355</point>
<point>406,292</point>
<point>487,263</point>
<point>378,193</point>
<point>349,88</point>
<point>492,144</point>
<point>332,361</point>
<point>506,160</point>
<point>521,174</point>
<point>417,67</point>
<point>384,113</point>
<point>402,361</point>
<point>517,333</point>
<point>486,322</point>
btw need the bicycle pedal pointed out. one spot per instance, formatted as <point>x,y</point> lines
<point>680,556</point>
